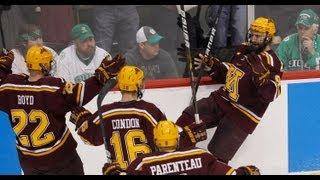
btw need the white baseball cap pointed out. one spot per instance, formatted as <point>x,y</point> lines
<point>147,33</point>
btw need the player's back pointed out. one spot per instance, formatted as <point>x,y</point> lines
<point>129,128</point>
<point>187,162</point>
<point>37,112</point>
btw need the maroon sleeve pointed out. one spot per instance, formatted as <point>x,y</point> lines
<point>216,167</point>
<point>3,74</point>
<point>219,73</point>
<point>90,132</point>
<point>81,93</point>
<point>271,89</point>
<point>131,169</point>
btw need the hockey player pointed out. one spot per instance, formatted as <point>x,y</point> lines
<point>128,123</point>
<point>37,105</point>
<point>251,81</point>
<point>170,161</point>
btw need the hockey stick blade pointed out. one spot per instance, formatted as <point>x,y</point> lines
<point>103,92</point>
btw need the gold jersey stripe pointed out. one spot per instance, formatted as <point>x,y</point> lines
<point>79,93</point>
<point>248,114</point>
<point>65,137</point>
<point>27,89</point>
<point>230,171</point>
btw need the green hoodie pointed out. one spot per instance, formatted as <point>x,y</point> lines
<point>289,53</point>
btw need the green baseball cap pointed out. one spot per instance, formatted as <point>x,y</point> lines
<point>147,33</point>
<point>81,32</point>
<point>307,17</point>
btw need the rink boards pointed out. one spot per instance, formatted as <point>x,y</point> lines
<point>285,141</point>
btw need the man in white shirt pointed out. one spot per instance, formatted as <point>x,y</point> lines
<point>78,62</point>
<point>29,35</point>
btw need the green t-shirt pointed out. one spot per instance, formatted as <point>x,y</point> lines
<point>289,52</point>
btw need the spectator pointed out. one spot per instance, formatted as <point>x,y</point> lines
<point>115,23</point>
<point>230,30</point>
<point>231,17</point>
<point>301,51</point>
<point>29,35</point>
<point>147,55</point>
<point>79,61</point>
<point>12,20</point>
<point>166,25</point>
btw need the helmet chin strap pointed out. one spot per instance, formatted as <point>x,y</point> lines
<point>44,70</point>
<point>139,93</point>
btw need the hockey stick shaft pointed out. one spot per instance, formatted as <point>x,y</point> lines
<point>192,78</point>
<point>209,45</point>
<point>103,92</point>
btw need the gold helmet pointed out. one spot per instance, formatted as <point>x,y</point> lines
<point>166,135</point>
<point>130,78</point>
<point>264,25</point>
<point>38,58</point>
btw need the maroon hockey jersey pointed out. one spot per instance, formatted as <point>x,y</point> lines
<point>37,113</point>
<point>128,126</point>
<point>240,98</point>
<point>187,162</point>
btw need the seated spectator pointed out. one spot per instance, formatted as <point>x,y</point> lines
<point>147,55</point>
<point>301,51</point>
<point>29,35</point>
<point>79,61</point>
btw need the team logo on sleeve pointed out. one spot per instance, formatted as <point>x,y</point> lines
<point>68,88</point>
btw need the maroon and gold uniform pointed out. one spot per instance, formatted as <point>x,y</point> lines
<point>238,106</point>
<point>187,162</point>
<point>37,113</point>
<point>128,126</point>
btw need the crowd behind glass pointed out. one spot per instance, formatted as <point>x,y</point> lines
<point>150,36</point>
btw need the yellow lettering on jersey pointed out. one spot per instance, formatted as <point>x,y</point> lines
<point>132,148</point>
<point>232,82</point>
<point>38,136</point>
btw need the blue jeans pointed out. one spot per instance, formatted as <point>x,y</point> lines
<point>233,18</point>
<point>118,23</point>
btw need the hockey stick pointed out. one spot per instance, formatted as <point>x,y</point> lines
<point>103,92</point>
<point>208,48</point>
<point>192,78</point>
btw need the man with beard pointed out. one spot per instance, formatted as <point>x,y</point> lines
<point>251,81</point>
<point>78,62</point>
<point>147,55</point>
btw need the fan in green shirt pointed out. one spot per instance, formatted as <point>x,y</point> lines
<point>301,51</point>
